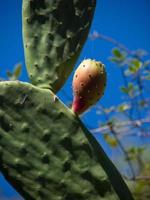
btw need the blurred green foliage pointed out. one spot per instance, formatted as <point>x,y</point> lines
<point>131,117</point>
<point>12,76</point>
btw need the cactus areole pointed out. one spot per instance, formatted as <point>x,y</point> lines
<point>89,82</point>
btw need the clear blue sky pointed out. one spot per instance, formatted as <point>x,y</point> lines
<point>125,20</point>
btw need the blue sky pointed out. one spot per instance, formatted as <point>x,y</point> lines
<point>125,20</point>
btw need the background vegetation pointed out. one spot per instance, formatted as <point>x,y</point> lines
<point>123,127</point>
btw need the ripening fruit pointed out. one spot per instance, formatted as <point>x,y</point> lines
<point>89,82</point>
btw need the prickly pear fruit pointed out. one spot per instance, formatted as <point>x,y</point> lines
<point>88,85</point>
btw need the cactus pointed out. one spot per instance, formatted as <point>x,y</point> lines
<point>88,85</point>
<point>54,32</point>
<point>46,152</point>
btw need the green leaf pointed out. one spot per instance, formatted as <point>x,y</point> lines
<point>124,89</point>
<point>130,89</point>
<point>118,56</point>
<point>134,66</point>
<point>130,86</point>
<point>117,53</point>
<point>113,59</point>
<point>134,152</point>
<point>17,71</point>
<point>140,150</point>
<point>142,103</point>
<point>110,140</point>
<point>131,150</point>
<point>123,107</point>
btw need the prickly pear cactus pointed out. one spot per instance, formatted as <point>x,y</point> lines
<point>54,32</point>
<point>89,82</point>
<point>46,153</point>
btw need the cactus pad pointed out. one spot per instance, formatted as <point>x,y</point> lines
<point>46,152</point>
<point>54,32</point>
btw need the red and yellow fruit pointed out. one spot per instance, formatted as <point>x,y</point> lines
<point>88,85</point>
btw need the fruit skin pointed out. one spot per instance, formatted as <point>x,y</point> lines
<point>89,82</point>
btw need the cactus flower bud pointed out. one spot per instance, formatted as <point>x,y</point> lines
<point>89,82</point>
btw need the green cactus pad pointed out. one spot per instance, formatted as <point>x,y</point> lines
<point>46,152</point>
<point>54,32</point>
